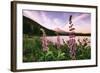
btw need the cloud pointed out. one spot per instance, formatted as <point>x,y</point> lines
<point>47,22</point>
<point>39,17</point>
<point>80,17</point>
<point>83,28</point>
<point>55,23</point>
<point>32,15</point>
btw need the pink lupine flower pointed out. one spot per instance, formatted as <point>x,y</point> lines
<point>72,42</point>
<point>72,46</point>
<point>71,26</point>
<point>71,29</point>
<point>84,42</point>
<point>80,43</point>
<point>44,41</point>
<point>58,41</point>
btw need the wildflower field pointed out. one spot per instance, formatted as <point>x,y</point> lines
<point>33,51</point>
<point>37,47</point>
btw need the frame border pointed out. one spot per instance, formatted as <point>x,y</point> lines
<point>14,33</point>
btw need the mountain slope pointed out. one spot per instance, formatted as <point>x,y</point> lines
<point>31,27</point>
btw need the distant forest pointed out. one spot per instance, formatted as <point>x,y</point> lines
<point>31,27</point>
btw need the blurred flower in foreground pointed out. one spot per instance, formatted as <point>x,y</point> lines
<point>84,42</point>
<point>44,41</point>
<point>58,41</point>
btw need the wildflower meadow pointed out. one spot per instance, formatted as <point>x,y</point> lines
<point>38,48</point>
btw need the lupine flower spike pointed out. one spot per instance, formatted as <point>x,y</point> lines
<point>44,41</point>
<point>72,42</point>
<point>58,41</point>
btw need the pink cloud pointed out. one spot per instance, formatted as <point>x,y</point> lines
<point>55,24</point>
<point>75,19</point>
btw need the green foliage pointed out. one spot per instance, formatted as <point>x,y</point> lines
<point>32,51</point>
<point>83,52</point>
<point>33,28</point>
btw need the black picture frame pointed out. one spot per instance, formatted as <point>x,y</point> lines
<point>14,34</point>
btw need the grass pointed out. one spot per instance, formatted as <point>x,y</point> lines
<point>32,51</point>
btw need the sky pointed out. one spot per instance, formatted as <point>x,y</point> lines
<point>59,21</point>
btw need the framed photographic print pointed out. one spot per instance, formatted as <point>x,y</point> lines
<point>47,36</point>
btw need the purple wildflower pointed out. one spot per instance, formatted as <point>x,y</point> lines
<point>72,42</point>
<point>44,41</point>
<point>84,42</point>
<point>58,41</point>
